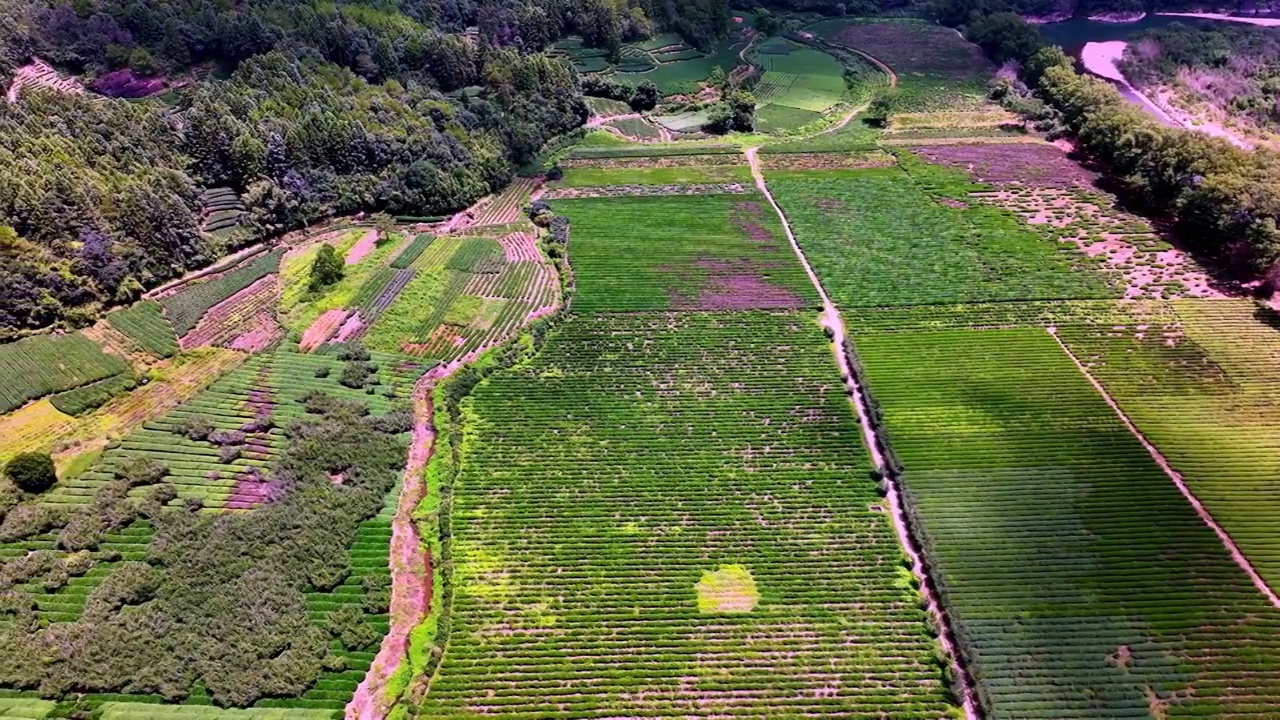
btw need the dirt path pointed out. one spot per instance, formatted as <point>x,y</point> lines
<point>599,120</point>
<point>855,111</point>
<point>830,319</point>
<point>410,562</point>
<point>410,559</point>
<point>1175,476</point>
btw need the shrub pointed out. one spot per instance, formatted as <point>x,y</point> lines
<point>326,269</point>
<point>32,472</point>
<point>27,520</point>
<point>226,437</point>
<point>137,470</point>
<point>229,453</point>
<point>196,427</point>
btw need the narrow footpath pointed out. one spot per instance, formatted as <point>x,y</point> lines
<point>831,320</point>
<point>1175,476</point>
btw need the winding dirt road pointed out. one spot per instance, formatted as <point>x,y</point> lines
<point>831,320</point>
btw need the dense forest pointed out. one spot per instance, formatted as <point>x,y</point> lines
<point>306,109</point>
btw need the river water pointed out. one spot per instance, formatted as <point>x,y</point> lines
<point>1073,34</point>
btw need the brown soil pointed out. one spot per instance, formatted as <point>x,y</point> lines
<point>321,328</point>
<point>365,245</point>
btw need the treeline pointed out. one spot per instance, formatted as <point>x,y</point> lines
<point>1225,200</point>
<point>326,109</point>
<point>377,41</point>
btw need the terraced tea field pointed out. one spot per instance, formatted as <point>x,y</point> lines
<point>1081,582</point>
<point>637,456</point>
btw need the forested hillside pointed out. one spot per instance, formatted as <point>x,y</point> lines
<point>303,110</point>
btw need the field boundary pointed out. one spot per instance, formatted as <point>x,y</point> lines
<point>1174,475</point>
<point>831,321</point>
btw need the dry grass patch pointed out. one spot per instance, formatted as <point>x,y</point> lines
<point>730,589</point>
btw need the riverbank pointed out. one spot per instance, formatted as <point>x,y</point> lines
<point>1103,59</point>
<point>1264,22</point>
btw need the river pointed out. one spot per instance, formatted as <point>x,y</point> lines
<point>1072,35</point>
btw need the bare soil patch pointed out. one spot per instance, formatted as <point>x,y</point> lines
<point>663,161</point>
<point>827,161</point>
<point>321,328</point>
<point>365,245</point>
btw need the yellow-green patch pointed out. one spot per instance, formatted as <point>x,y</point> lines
<point>730,589</point>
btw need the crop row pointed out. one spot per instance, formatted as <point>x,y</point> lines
<point>1080,582</point>
<point>626,256</point>
<point>185,308</point>
<point>42,364</point>
<point>145,324</point>
<point>412,251</point>
<point>633,455</point>
<point>1203,384</point>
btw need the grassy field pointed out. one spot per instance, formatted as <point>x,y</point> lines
<point>668,515</point>
<point>799,84</point>
<point>704,252</point>
<point>1082,584</point>
<point>887,237</point>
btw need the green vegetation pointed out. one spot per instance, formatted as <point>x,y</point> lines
<point>799,84</point>
<point>31,472</point>
<point>81,400</point>
<point>626,256</point>
<point>185,307</point>
<point>652,448</point>
<point>255,594</point>
<point>44,364</point>
<point>326,269</point>
<point>857,226</point>
<point>1200,381</point>
<point>464,293</point>
<point>1080,582</point>
<point>412,251</point>
<point>937,69</point>
<point>145,324</point>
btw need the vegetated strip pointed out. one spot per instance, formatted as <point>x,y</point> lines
<point>1174,475</point>
<point>834,325</point>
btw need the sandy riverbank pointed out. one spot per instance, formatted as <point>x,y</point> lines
<point>1118,17</point>
<point>1265,22</point>
<point>1103,58</point>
